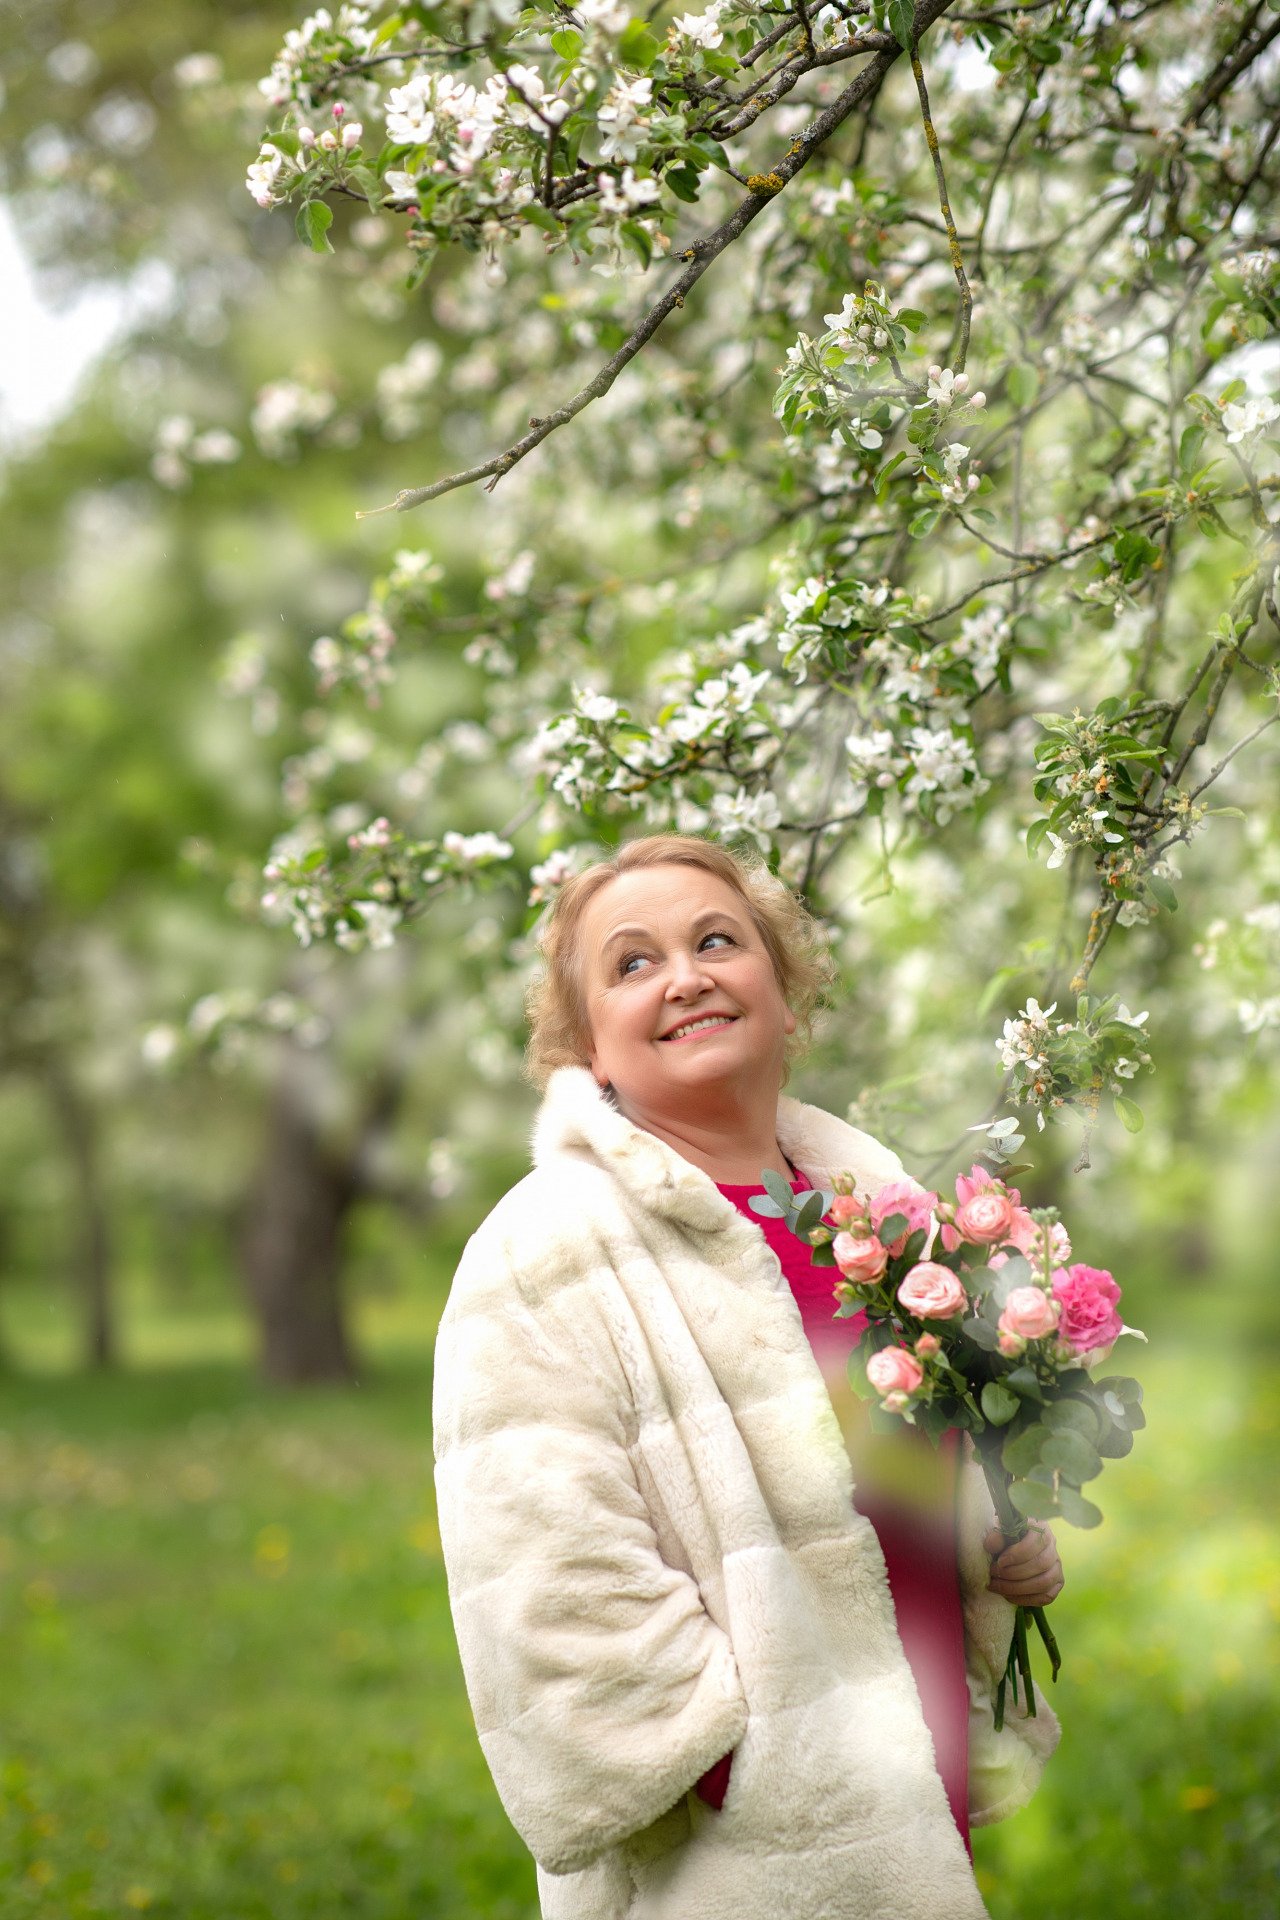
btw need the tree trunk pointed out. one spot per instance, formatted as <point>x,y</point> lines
<point>292,1242</point>
<point>91,1247</point>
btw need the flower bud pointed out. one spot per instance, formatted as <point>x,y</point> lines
<point>328,140</point>
<point>927,1345</point>
<point>306,136</point>
<point>961,383</point>
<point>351,135</point>
<point>935,373</point>
<point>978,400</point>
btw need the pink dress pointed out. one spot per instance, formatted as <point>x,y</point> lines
<point>919,1545</point>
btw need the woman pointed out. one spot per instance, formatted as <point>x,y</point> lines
<point>677,1629</point>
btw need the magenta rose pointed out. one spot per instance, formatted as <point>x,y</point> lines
<point>1087,1299</point>
<point>932,1292</point>
<point>894,1370</point>
<point>907,1198</point>
<point>861,1261</point>
<point>1029,1313</point>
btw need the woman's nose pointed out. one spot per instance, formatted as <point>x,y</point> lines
<point>688,977</point>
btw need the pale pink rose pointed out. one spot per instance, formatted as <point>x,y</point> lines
<point>859,1260</point>
<point>894,1370</point>
<point>1011,1345</point>
<point>932,1292</point>
<point>927,1345</point>
<point>846,1208</point>
<point>1029,1313</point>
<point>1087,1298</point>
<point>986,1220</point>
<point>895,1403</point>
<point>908,1198</point>
<point>1023,1231</point>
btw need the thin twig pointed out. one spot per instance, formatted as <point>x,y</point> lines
<point>953,239</point>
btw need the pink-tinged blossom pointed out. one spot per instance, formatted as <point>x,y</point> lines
<point>908,1198</point>
<point>861,1261</point>
<point>932,1292</point>
<point>1029,1313</point>
<point>1087,1298</point>
<point>927,1346</point>
<point>894,1370</point>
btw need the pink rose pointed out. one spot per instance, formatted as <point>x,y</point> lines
<point>894,1370</point>
<point>908,1198</point>
<point>1087,1299</point>
<point>1029,1313</point>
<point>859,1260</point>
<point>846,1208</point>
<point>967,1184</point>
<point>986,1220</point>
<point>1011,1345</point>
<point>932,1292</point>
<point>927,1345</point>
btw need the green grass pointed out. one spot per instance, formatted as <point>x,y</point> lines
<point>228,1685</point>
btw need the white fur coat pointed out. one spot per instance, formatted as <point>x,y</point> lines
<point>654,1557</point>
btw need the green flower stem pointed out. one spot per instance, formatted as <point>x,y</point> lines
<point>1046,1634</point>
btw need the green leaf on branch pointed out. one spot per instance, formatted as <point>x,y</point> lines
<point>683,182</point>
<point>1023,383</point>
<point>1023,1381</point>
<point>1160,890</point>
<point>909,318</point>
<point>313,224</point>
<point>901,15</point>
<point>1073,1416</point>
<point>568,42</point>
<point>637,47</point>
<point>1128,1112</point>
<point>892,1228</point>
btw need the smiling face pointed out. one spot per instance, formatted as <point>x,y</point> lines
<point>680,994</point>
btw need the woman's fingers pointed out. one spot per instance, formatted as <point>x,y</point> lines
<point>1028,1571</point>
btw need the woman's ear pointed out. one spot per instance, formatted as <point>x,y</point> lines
<point>789,1022</point>
<point>598,1073</point>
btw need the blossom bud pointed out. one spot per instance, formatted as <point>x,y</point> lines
<point>961,383</point>
<point>338,110</point>
<point>329,141</point>
<point>935,373</point>
<point>306,136</point>
<point>978,400</point>
<point>351,135</point>
<point>927,1345</point>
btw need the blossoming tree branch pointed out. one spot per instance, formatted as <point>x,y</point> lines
<point>1015,270</point>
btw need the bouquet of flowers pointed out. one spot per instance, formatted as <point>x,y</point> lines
<point>976,1320</point>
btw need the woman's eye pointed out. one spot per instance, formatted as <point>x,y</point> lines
<point>632,963</point>
<point>715,939</point>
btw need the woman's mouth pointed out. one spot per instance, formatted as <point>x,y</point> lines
<point>705,1023</point>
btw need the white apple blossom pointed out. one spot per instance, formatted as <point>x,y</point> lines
<point>623,196</point>
<point>945,387</point>
<point>532,100</point>
<point>700,29</point>
<point>399,185</point>
<point>263,176</point>
<point>476,849</point>
<point>282,410</point>
<point>410,118</point>
<point>620,118</point>
<point>596,706</point>
<point>746,815</point>
<point>608,15</point>
<point>1243,421</point>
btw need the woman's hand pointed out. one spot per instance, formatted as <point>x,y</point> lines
<point>1029,1572</point>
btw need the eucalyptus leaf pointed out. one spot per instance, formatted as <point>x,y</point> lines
<point>770,1210</point>
<point>1021,1452</point>
<point>982,1334</point>
<point>1033,1500</point>
<point>1023,1381</point>
<point>1077,1510</point>
<point>1071,1455</point>
<point>1073,1416</point>
<point>998,1404</point>
<point>892,1229</point>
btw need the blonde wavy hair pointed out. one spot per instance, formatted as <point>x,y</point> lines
<point>559,1034</point>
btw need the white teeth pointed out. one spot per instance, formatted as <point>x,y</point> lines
<point>695,1026</point>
